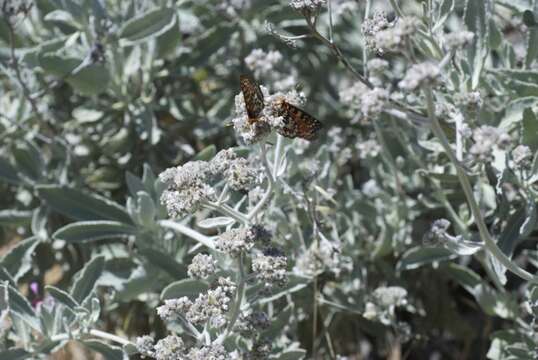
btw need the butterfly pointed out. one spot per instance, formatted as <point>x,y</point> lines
<point>253,97</point>
<point>297,123</point>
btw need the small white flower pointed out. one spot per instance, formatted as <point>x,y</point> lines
<point>522,155</point>
<point>202,266</point>
<point>418,75</point>
<point>458,39</point>
<point>169,348</point>
<point>261,62</point>
<point>374,101</point>
<point>311,5</point>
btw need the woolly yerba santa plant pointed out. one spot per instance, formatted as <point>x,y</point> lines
<point>230,307</point>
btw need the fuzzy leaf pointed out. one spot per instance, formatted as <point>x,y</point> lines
<point>186,287</point>
<point>80,205</point>
<point>109,352</point>
<point>147,26</point>
<point>18,260</point>
<point>86,279</point>
<point>420,256</point>
<point>215,222</point>
<point>62,297</point>
<point>82,231</point>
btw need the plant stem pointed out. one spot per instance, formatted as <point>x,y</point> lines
<point>185,230</point>
<point>490,244</point>
<point>240,293</point>
<point>227,210</point>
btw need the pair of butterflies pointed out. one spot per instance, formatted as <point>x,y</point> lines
<point>297,123</point>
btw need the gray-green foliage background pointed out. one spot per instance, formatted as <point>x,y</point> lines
<point>97,97</point>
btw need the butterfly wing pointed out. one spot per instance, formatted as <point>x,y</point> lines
<point>298,123</point>
<point>253,96</point>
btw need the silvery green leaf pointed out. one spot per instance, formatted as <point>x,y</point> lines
<point>134,183</point>
<point>511,234</point>
<point>90,80</point>
<point>296,354</point>
<point>164,262</point>
<point>498,269</point>
<point>39,223</point>
<point>207,153</point>
<point>15,217</point>
<point>8,172</point>
<point>86,279</point>
<point>530,221</point>
<point>446,8</point>
<point>29,160</point>
<point>81,205</point>
<point>85,115</point>
<point>15,354</point>
<point>422,255</point>
<point>147,210</point>
<point>282,166</point>
<point>62,16</point>
<point>82,231</point>
<point>95,310</point>
<point>495,303</point>
<point>431,145</point>
<point>460,246</point>
<point>18,260</point>
<point>5,276</point>
<point>109,352</point>
<point>219,221</point>
<point>530,129</point>
<point>147,26</point>
<point>463,275</point>
<point>186,287</point>
<point>476,17</point>
<point>62,297</point>
<point>532,47</point>
<point>56,65</point>
<point>19,306</point>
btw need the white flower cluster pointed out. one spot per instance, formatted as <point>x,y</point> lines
<point>419,75</point>
<point>270,267</point>
<point>169,348</point>
<point>372,26</point>
<point>373,101</point>
<point>255,131</point>
<point>325,257</point>
<point>458,39</point>
<point>311,5</point>
<point>237,241</point>
<point>368,149</point>
<point>189,186</point>
<point>394,38</point>
<point>251,323</point>
<point>209,307</point>
<point>262,63</point>
<point>469,101</point>
<point>486,140</point>
<point>384,301</point>
<point>202,266</point>
<point>522,155</point>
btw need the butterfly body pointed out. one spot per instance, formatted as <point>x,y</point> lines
<point>297,123</point>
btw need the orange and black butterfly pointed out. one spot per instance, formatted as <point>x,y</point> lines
<point>253,97</point>
<point>297,123</point>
